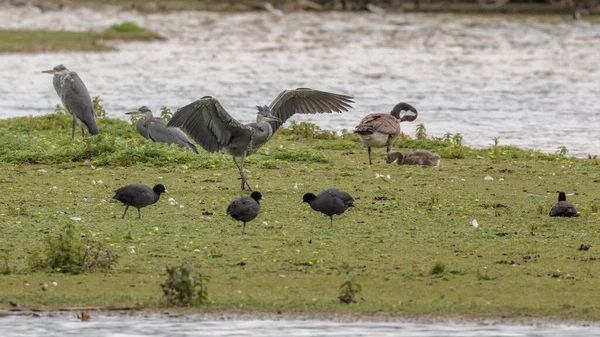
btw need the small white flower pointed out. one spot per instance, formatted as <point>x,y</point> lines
<point>103,200</point>
<point>281,146</point>
<point>265,223</point>
<point>197,250</point>
<point>42,170</point>
<point>84,199</point>
<point>27,284</point>
<point>76,218</point>
<point>155,229</point>
<point>474,223</point>
<point>267,153</point>
<point>160,177</point>
<point>54,187</point>
<point>99,181</point>
<point>185,167</point>
<point>298,251</point>
<point>132,249</point>
<point>388,176</point>
<point>377,176</point>
<point>93,182</point>
<point>54,283</point>
<point>180,206</point>
<point>488,178</point>
<point>173,202</point>
<point>501,179</point>
<point>296,186</point>
<point>93,167</point>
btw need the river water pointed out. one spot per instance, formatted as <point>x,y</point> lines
<point>531,83</point>
<point>120,326</point>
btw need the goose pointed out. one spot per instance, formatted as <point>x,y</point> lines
<point>380,129</point>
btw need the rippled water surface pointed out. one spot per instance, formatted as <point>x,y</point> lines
<point>533,84</point>
<point>129,327</point>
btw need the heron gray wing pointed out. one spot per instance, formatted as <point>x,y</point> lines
<point>208,123</point>
<point>306,101</point>
<point>76,99</point>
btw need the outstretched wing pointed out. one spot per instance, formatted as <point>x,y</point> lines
<point>208,123</point>
<point>76,99</point>
<point>306,101</point>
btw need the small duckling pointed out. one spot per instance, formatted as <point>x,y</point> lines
<point>417,157</point>
<point>562,207</point>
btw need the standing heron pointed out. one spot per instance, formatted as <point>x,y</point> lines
<point>75,98</point>
<point>214,129</point>
<point>155,128</point>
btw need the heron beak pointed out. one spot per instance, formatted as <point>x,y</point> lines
<point>273,118</point>
<point>133,113</point>
<point>51,71</point>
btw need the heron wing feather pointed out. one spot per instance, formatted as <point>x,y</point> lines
<point>207,122</point>
<point>76,99</point>
<point>306,101</point>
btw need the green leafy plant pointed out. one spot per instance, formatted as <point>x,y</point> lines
<point>60,110</point>
<point>100,112</point>
<point>349,289</point>
<point>65,252</point>
<point>562,151</point>
<point>184,288</point>
<point>5,268</point>
<point>166,113</point>
<point>421,132</point>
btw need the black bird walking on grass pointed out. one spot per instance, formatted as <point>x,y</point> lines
<point>245,209</point>
<point>330,202</point>
<point>75,98</point>
<point>155,129</point>
<point>562,207</point>
<point>139,196</point>
<point>207,122</point>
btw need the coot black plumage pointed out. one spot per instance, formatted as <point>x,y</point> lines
<point>245,209</point>
<point>331,201</point>
<point>139,196</point>
<point>562,207</point>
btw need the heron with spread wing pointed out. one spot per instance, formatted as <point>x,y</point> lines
<point>155,129</point>
<point>207,122</point>
<point>75,98</point>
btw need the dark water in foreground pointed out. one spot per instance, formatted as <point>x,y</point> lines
<point>533,84</point>
<point>130,327</point>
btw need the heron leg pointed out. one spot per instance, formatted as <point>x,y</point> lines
<point>331,220</point>
<point>126,208</point>
<point>139,214</point>
<point>369,151</point>
<point>241,170</point>
<point>73,129</point>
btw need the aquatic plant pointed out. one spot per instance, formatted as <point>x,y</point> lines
<point>66,253</point>
<point>183,287</point>
<point>349,289</point>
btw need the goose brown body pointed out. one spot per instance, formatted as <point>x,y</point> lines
<point>417,157</point>
<point>381,130</point>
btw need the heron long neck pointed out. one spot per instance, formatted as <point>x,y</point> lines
<point>261,133</point>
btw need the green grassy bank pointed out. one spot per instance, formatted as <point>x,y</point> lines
<point>30,41</point>
<point>518,263</point>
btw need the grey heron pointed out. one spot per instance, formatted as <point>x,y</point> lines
<point>245,209</point>
<point>75,98</point>
<point>207,122</point>
<point>155,128</point>
<point>331,201</point>
<point>138,196</point>
<point>416,157</point>
<point>380,129</point>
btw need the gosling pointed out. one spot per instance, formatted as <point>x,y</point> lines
<point>417,157</point>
